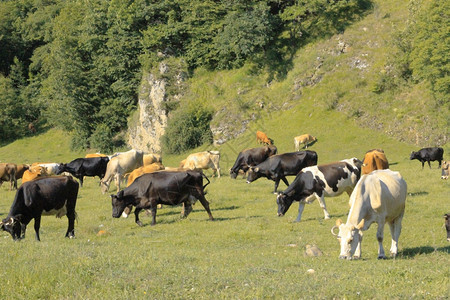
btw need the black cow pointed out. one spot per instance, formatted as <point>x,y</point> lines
<point>80,167</point>
<point>320,181</point>
<point>43,196</point>
<point>251,157</point>
<point>428,154</point>
<point>164,187</point>
<point>447,225</point>
<point>278,166</point>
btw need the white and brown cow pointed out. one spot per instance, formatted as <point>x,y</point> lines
<point>202,160</point>
<point>318,182</point>
<point>379,197</point>
<point>118,166</point>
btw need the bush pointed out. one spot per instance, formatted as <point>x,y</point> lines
<point>189,128</point>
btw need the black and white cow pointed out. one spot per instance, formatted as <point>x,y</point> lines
<point>163,187</point>
<point>320,181</point>
<point>428,154</point>
<point>277,167</point>
<point>80,167</point>
<point>43,196</point>
<point>251,157</point>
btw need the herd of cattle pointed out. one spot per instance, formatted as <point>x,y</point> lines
<point>377,194</point>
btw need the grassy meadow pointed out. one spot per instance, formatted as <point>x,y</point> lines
<point>247,252</point>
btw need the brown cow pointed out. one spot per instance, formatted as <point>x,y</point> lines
<point>21,168</point>
<point>202,160</point>
<point>8,173</point>
<point>304,139</point>
<point>90,155</point>
<point>151,158</point>
<point>143,170</point>
<point>33,173</point>
<point>374,159</point>
<point>262,138</point>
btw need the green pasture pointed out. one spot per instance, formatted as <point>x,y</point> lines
<point>247,252</point>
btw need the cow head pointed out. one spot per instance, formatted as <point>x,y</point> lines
<point>14,227</point>
<point>414,155</point>
<point>233,174</point>
<point>253,174</point>
<point>104,186</point>
<point>349,237</point>
<point>284,201</point>
<point>118,204</point>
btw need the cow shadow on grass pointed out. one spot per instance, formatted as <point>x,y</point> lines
<point>412,252</point>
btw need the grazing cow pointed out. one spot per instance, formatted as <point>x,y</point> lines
<point>119,165</point>
<point>445,169</point>
<point>50,168</point>
<point>304,139</point>
<point>33,173</point>
<point>262,138</point>
<point>428,154</point>
<point>143,170</point>
<point>378,197</point>
<point>277,167</point>
<point>447,225</point>
<point>168,188</point>
<point>251,157</point>
<point>21,168</point>
<point>8,173</point>
<point>151,158</point>
<point>318,182</point>
<point>80,167</point>
<point>201,161</point>
<point>43,196</point>
<point>374,160</point>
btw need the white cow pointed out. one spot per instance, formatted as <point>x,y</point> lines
<point>123,163</point>
<point>50,168</point>
<point>378,197</point>
<point>202,160</point>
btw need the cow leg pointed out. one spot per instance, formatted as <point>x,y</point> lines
<point>357,254</point>
<point>423,163</point>
<point>37,225</point>
<point>136,215</point>
<point>301,207</point>
<point>324,207</point>
<point>396,228</point>
<point>380,230</point>
<point>429,163</point>
<point>71,219</point>
<point>127,211</point>
<point>186,210</point>
<point>286,182</point>
<point>205,204</point>
<point>117,179</point>
<point>81,180</point>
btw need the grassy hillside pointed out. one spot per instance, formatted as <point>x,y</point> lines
<point>247,252</point>
<point>341,73</point>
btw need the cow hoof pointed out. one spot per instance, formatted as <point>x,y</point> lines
<point>355,257</point>
<point>327,218</point>
<point>140,223</point>
<point>382,257</point>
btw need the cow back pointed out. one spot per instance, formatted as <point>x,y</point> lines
<point>374,160</point>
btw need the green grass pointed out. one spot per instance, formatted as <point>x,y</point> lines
<point>247,252</point>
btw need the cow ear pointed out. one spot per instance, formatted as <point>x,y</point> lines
<point>360,225</point>
<point>338,222</point>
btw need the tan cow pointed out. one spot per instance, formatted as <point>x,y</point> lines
<point>262,138</point>
<point>445,169</point>
<point>119,165</point>
<point>143,170</point>
<point>304,139</point>
<point>152,158</point>
<point>33,173</point>
<point>374,159</point>
<point>202,160</point>
<point>90,155</point>
<point>8,173</point>
<point>21,168</point>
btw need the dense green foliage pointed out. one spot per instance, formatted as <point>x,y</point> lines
<point>77,64</point>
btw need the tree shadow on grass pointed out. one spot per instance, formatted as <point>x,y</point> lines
<point>412,252</point>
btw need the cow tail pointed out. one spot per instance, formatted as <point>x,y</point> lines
<point>206,179</point>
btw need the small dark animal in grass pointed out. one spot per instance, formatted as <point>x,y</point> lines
<point>447,225</point>
<point>43,196</point>
<point>163,187</point>
<point>445,169</point>
<point>80,167</point>
<point>318,182</point>
<point>277,167</point>
<point>428,154</point>
<point>251,157</point>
